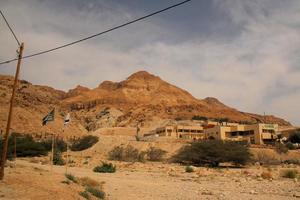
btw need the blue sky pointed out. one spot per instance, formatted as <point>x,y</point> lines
<point>244,52</point>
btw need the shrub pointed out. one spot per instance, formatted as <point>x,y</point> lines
<point>59,145</point>
<point>57,158</point>
<point>26,146</point>
<point>281,148</point>
<point>96,192</point>
<point>213,152</point>
<point>290,173</point>
<point>84,143</point>
<point>202,118</point>
<point>268,158</point>
<point>295,137</point>
<point>290,146</point>
<point>85,195</point>
<point>88,182</point>
<point>142,156</point>
<point>266,175</point>
<point>128,154</point>
<point>155,154</point>
<point>71,178</point>
<point>105,168</point>
<point>189,169</point>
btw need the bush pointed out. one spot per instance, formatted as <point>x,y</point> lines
<point>105,168</point>
<point>290,146</point>
<point>59,145</point>
<point>202,118</point>
<point>71,178</point>
<point>295,137</point>
<point>290,173</point>
<point>267,158</point>
<point>189,169</point>
<point>84,143</point>
<point>96,192</point>
<point>281,148</point>
<point>266,175</point>
<point>155,154</point>
<point>57,158</point>
<point>26,146</point>
<point>127,154</point>
<point>213,152</point>
<point>85,195</point>
<point>88,182</point>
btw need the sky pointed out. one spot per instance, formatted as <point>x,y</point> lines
<point>246,53</point>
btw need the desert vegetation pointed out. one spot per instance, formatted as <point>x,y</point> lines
<point>84,143</point>
<point>105,168</point>
<point>213,152</point>
<point>130,154</point>
<point>26,146</point>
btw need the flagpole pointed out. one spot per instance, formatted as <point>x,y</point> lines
<point>67,159</point>
<point>52,152</point>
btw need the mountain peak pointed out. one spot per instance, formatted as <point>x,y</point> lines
<point>77,91</point>
<point>141,75</point>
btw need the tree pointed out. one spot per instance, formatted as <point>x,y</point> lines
<point>213,152</point>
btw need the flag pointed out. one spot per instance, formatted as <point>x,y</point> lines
<point>67,119</point>
<point>49,117</point>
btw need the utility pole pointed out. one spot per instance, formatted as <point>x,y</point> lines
<point>6,135</point>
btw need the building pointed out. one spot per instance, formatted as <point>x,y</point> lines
<point>181,131</point>
<point>254,133</point>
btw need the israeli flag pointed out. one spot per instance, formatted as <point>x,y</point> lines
<point>67,119</point>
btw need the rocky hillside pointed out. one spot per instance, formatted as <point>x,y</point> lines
<point>32,103</point>
<point>141,98</point>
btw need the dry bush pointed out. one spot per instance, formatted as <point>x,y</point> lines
<point>88,182</point>
<point>105,168</point>
<point>267,158</point>
<point>127,154</point>
<point>96,192</point>
<point>155,154</point>
<point>189,169</point>
<point>71,177</point>
<point>289,173</point>
<point>266,175</point>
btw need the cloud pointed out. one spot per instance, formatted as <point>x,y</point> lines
<point>251,62</point>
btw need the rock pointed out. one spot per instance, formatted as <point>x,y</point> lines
<point>253,192</point>
<point>297,195</point>
<point>207,193</point>
<point>260,179</point>
<point>295,180</point>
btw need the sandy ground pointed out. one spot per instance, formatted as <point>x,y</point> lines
<point>149,181</point>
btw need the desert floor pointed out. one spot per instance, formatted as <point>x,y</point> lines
<point>27,180</point>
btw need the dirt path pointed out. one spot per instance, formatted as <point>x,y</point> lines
<point>157,181</point>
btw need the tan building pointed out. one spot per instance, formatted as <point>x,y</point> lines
<point>181,131</point>
<point>254,133</point>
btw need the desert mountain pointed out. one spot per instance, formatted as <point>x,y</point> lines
<point>32,103</point>
<point>142,97</point>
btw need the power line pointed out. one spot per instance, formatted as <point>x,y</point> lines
<point>10,29</point>
<point>98,34</point>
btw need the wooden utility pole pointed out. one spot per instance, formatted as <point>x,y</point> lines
<point>6,135</point>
